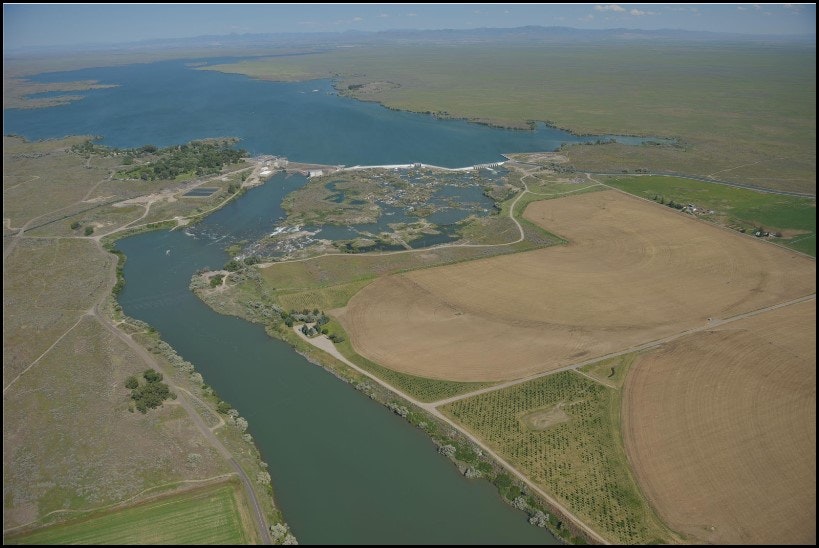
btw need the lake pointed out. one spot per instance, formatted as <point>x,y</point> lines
<point>345,469</point>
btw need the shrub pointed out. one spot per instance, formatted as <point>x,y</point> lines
<point>233,265</point>
<point>152,376</point>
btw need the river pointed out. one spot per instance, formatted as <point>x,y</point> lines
<point>345,469</point>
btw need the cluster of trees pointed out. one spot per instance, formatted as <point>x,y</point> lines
<point>234,265</point>
<point>671,203</point>
<point>92,147</point>
<point>151,394</point>
<point>315,316</point>
<point>198,157</point>
<point>201,158</point>
<point>88,229</point>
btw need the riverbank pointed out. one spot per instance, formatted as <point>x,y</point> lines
<point>471,459</point>
<point>65,204</point>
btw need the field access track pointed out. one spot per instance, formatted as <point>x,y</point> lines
<point>633,272</point>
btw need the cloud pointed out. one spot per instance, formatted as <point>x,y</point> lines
<point>609,7</point>
<point>741,8</point>
<point>356,19</point>
<point>589,17</point>
<point>412,15</point>
<point>640,13</point>
<point>383,15</point>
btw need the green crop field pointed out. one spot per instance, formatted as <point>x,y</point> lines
<point>207,516</point>
<point>563,432</point>
<point>794,217</point>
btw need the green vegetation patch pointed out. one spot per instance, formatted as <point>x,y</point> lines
<point>738,208</point>
<point>563,432</point>
<point>150,394</point>
<point>207,516</point>
<point>178,162</point>
<point>323,298</point>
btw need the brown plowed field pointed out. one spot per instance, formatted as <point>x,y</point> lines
<point>720,428</point>
<point>634,272</point>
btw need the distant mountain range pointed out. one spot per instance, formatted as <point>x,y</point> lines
<point>518,35</point>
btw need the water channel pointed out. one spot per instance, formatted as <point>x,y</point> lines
<point>345,469</point>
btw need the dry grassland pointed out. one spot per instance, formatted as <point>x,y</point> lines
<point>633,272</point>
<point>720,428</point>
<point>70,444</point>
<point>47,286</point>
<point>40,178</point>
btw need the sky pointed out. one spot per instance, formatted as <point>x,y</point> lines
<point>34,25</point>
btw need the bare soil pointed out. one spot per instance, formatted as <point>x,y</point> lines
<point>634,272</point>
<point>720,429</point>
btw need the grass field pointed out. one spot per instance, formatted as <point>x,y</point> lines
<point>720,427</point>
<point>741,112</point>
<point>205,516</point>
<point>323,298</point>
<point>633,272</point>
<point>563,432</point>
<point>794,217</point>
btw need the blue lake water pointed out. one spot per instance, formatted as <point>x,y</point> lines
<point>345,469</point>
<point>169,103</point>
